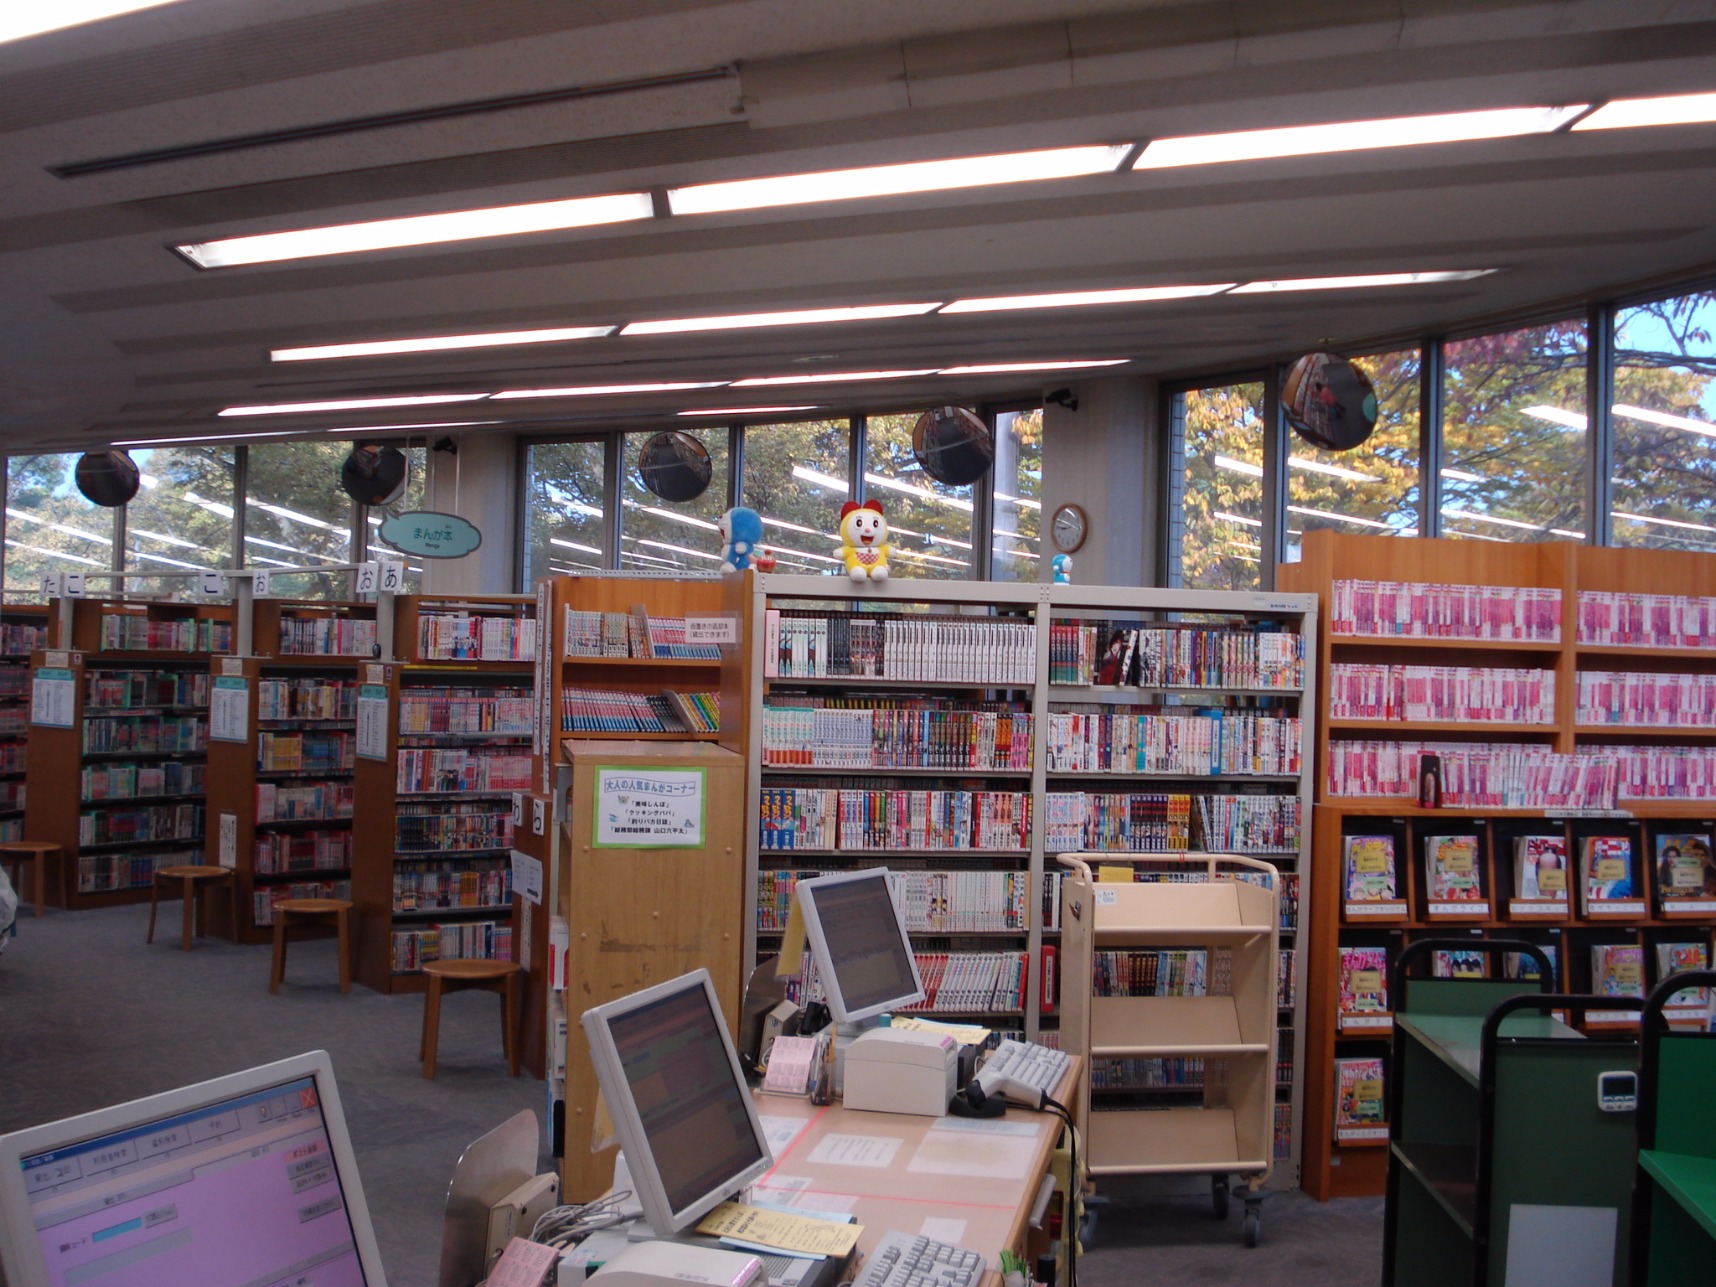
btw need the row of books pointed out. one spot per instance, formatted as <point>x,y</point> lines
<point>124,632</point>
<point>633,634</point>
<point>933,649</point>
<point>11,829</point>
<point>1421,610</point>
<point>459,636</point>
<point>307,753</point>
<point>13,757</point>
<point>1525,777</point>
<point>145,734</point>
<point>668,638</point>
<point>12,794</point>
<point>1513,695</point>
<point>262,900</point>
<point>880,820</point>
<point>1169,972</point>
<point>125,826</point>
<point>14,681</point>
<point>1646,700</point>
<point>13,722</point>
<point>425,711</point>
<point>1475,774</point>
<point>597,634</point>
<point>279,853</point>
<point>932,902</point>
<point>306,699</point>
<point>127,781</point>
<point>320,802</point>
<point>1146,1074</point>
<point>954,982</point>
<point>434,827</point>
<point>123,689</point>
<point>611,710</point>
<point>99,873</point>
<point>1146,822</point>
<point>1646,620</point>
<point>21,640</point>
<point>1201,742</point>
<point>1137,654</point>
<point>327,637</point>
<point>460,940</point>
<point>1286,886</point>
<point>1617,969</point>
<point>424,886</point>
<point>467,769</point>
<point>1287,978</point>
<point>887,737</point>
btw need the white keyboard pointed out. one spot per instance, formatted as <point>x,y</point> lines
<point>902,1260</point>
<point>1022,1072</point>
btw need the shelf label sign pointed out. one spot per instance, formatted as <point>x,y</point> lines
<point>649,808</point>
<point>229,840</point>
<point>1395,908</point>
<point>53,698</point>
<point>430,535</point>
<point>527,877</point>
<point>229,709</point>
<point>711,630</point>
<point>213,583</point>
<point>1701,905</point>
<point>262,584</point>
<point>372,722</point>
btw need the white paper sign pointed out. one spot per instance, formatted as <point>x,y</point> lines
<point>368,577</point>
<point>53,698</point>
<point>229,840</point>
<point>649,808</point>
<point>856,1150</point>
<point>711,630</point>
<point>261,585</point>
<point>372,722</point>
<point>392,576</point>
<point>527,877</point>
<point>1354,910</point>
<point>53,584</point>
<point>1688,905</point>
<point>213,583</point>
<point>74,585</point>
<point>1460,909</point>
<point>518,808</point>
<point>1350,1021</point>
<point>538,817</point>
<point>229,709</point>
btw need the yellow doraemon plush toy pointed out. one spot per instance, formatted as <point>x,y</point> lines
<point>864,540</point>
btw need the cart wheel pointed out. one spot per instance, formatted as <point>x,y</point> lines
<point>1218,1196</point>
<point>1253,1223</point>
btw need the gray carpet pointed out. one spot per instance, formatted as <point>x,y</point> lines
<point>90,1016</point>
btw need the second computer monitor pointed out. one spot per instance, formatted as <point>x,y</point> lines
<point>859,942</point>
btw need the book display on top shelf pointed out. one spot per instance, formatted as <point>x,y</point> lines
<point>118,626</point>
<point>1364,989</point>
<point>313,628</point>
<point>1453,877</point>
<point>469,628</point>
<point>1565,697</point>
<point>1361,1107</point>
<point>1371,882</point>
<point>23,629</point>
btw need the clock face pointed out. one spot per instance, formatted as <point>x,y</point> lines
<point>1069,528</point>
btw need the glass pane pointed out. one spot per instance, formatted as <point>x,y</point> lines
<point>181,519</point>
<point>929,523</point>
<point>1017,549</point>
<point>413,498</point>
<point>795,478</point>
<point>1513,456</point>
<point>1221,543</point>
<point>50,527</point>
<point>1665,424</point>
<point>1373,488</point>
<point>666,535</point>
<point>296,516</point>
<point>563,490</point>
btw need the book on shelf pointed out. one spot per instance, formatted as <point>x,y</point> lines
<point>279,853</point>
<point>1685,869</point>
<point>1050,978</point>
<point>1540,868</point>
<point>1475,694</point>
<point>1430,610</point>
<point>306,698</point>
<point>1358,1093</point>
<point>264,899</point>
<point>1523,966</point>
<point>503,712</point>
<point>1149,972</point>
<point>446,771</point>
<point>604,710</point>
<point>954,982</point>
<point>1451,869</point>
<point>103,873</point>
<point>1677,958</point>
<point>327,637</point>
<point>1363,980</point>
<point>805,644</point>
<point>1115,654</point>
<point>874,819</point>
<point>1369,866</point>
<point>634,634</point>
<point>1485,775</point>
<point>908,732</point>
<point>127,633</point>
<point>461,636</point>
<point>1177,740</point>
<point>1617,970</point>
<point>1620,618</point>
<point>1646,699</point>
<point>1456,964</point>
<point>482,940</point>
<point>1606,869</point>
<point>423,885</point>
<point>1287,978</point>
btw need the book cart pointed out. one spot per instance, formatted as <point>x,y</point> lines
<point>23,629</point>
<point>1564,692</point>
<point>1508,1149</point>
<point>1674,1200</point>
<point>1172,981</point>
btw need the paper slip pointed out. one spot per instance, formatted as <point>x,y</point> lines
<point>781,1131</point>
<point>856,1150</point>
<point>778,1231</point>
<point>523,1264</point>
<point>792,1060</point>
<point>966,1034</point>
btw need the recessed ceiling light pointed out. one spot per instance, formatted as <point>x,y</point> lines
<point>1361,280</point>
<point>1001,368</point>
<point>828,377</point>
<point>796,317</point>
<point>1666,420</point>
<point>440,343</point>
<point>748,411</point>
<point>419,230</point>
<point>351,404</point>
<point>1671,109</point>
<point>1353,136</point>
<point>898,180</point>
<point>598,390</point>
<point>1076,298</point>
<point>22,20</point>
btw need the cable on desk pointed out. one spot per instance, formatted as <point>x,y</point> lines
<point>568,1225</point>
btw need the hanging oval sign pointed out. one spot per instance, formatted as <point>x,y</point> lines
<point>429,535</point>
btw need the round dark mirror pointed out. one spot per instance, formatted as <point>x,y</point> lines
<point>107,478</point>
<point>675,466</point>
<point>374,475</point>
<point>953,445</point>
<point>1329,401</point>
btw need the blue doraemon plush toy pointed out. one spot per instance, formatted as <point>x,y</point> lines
<point>1062,566</point>
<point>741,533</point>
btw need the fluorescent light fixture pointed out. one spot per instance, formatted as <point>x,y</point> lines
<point>162,558</point>
<point>748,411</point>
<point>58,527</point>
<point>1237,466</point>
<point>898,180</point>
<point>351,404</point>
<point>922,493</point>
<point>1080,298</point>
<point>795,527</point>
<point>796,317</point>
<point>673,517</point>
<point>225,511</point>
<point>1021,501</point>
<point>1556,416</point>
<point>1238,518</point>
<point>900,553</point>
<point>419,230</point>
<point>1023,554</point>
<point>21,20</point>
<point>1462,476</point>
<point>680,549</point>
<point>1670,109</point>
<point>293,516</point>
<point>1333,517</point>
<point>163,538</point>
<point>1511,522</point>
<point>277,563</point>
<point>1002,368</point>
<point>1666,420</point>
<point>216,437</point>
<point>1665,522</point>
<point>600,390</point>
<point>55,554</point>
<point>1361,281</point>
<point>816,477</point>
<point>829,377</point>
<point>573,545</point>
<point>440,343</point>
<point>1354,136</point>
<point>650,558</point>
<point>1333,471</point>
<point>938,539</point>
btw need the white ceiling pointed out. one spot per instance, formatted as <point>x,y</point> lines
<point>105,334</point>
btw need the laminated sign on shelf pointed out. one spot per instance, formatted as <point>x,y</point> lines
<point>649,808</point>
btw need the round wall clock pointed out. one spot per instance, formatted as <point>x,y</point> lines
<point>1068,528</point>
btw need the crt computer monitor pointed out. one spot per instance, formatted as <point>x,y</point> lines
<point>684,1117</point>
<point>859,942</point>
<point>248,1178</point>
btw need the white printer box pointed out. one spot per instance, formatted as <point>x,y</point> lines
<point>895,1070</point>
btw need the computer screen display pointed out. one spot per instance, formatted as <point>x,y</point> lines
<point>248,1179</point>
<point>859,943</point>
<point>672,1083</point>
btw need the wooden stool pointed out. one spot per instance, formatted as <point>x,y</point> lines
<point>450,976</point>
<point>312,911</point>
<point>195,879</point>
<point>15,853</point>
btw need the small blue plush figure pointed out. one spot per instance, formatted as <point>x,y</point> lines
<point>741,533</point>
<point>1062,565</point>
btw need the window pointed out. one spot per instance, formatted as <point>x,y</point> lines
<point>1513,456</point>
<point>796,479</point>
<point>415,497</point>
<point>1372,488</point>
<point>182,517</point>
<point>1016,545</point>
<point>50,527</point>
<point>1665,424</point>
<point>297,516</point>
<point>1220,435</point>
<point>929,523</point>
<point>667,535</point>
<point>564,487</point>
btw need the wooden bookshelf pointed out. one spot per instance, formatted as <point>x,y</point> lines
<point>498,630</point>
<point>23,630</point>
<point>119,628</point>
<point>313,629</point>
<point>1333,1168</point>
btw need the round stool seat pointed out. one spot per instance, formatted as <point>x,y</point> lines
<point>16,853</point>
<point>311,911</point>
<point>450,976</point>
<point>313,906</point>
<point>193,871</point>
<point>472,971</point>
<point>193,877</point>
